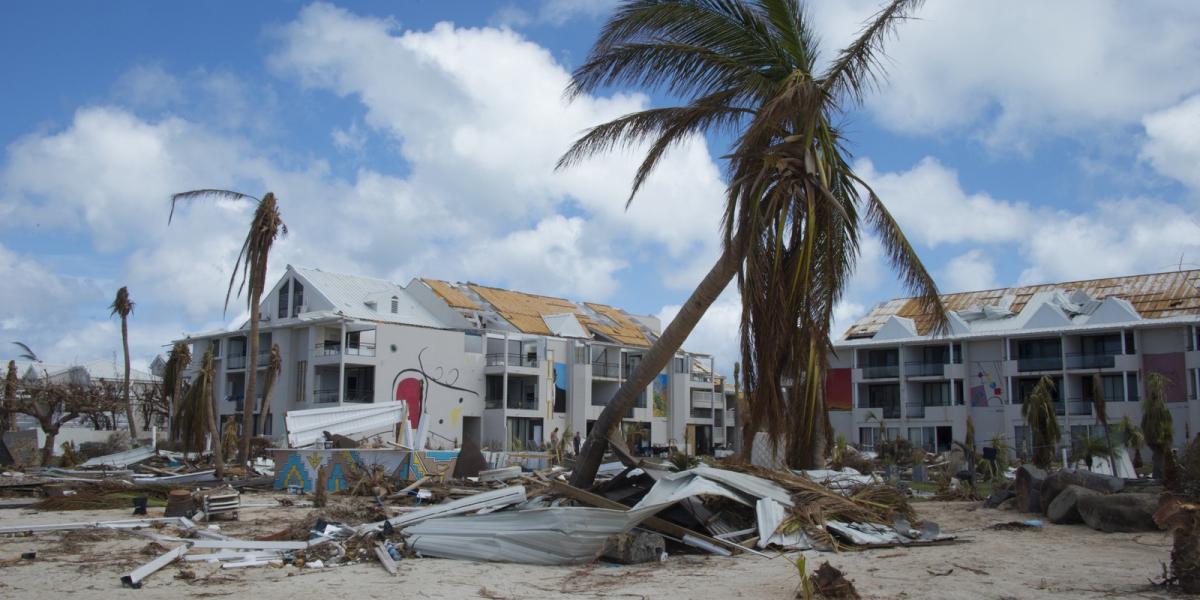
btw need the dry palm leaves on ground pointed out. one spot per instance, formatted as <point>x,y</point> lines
<point>102,495</point>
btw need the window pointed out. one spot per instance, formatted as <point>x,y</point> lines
<point>956,354</point>
<point>923,437</point>
<point>884,400</point>
<point>216,347</point>
<point>283,300</point>
<point>1025,388</point>
<point>1130,346</point>
<point>1131,391</point>
<point>681,364</point>
<point>297,298</point>
<point>395,305</point>
<point>935,394</point>
<point>473,343</point>
<point>1101,344</point>
<point>581,355</point>
<point>1111,386</point>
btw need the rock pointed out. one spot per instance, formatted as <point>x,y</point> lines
<point>997,498</point>
<point>1064,508</point>
<point>1119,512</point>
<point>1029,488</point>
<point>1105,484</point>
<point>634,547</point>
<point>1055,483</point>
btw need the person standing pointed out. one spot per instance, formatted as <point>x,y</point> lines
<point>577,441</point>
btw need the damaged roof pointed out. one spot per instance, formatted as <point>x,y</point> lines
<point>1154,296</point>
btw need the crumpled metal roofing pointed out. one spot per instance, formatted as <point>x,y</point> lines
<point>1154,296</point>
<point>307,426</point>
<point>541,536</point>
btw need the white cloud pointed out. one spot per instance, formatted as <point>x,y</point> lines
<point>718,332</point>
<point>973,270</point>
<point>149,86</point>
<point>1015,71</point>
<point>1173,141</point>
<point>552,12</point>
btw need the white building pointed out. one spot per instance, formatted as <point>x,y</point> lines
<point>1001,342</point>
<point>501,367</point>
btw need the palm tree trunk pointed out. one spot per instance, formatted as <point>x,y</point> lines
<point>251,380</point>
<point>659,355</point>
<point>128,402</point>
<point>215,436</point>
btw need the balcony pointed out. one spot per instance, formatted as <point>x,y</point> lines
<point>1040,363</point>
<point>889,411</point>
<point>1077,407</point>
<point>610,370</point>
<point>353,349</point>
<point>702,377</point>
<point>915,411</point>
<point>523,402</point>
<point>499,359</point>
<point>704,399</point>
<point>1091,361</point>
<point>881,372</point>
<point>918,368</point>
<point>239,361</point>
<point>330,396</point>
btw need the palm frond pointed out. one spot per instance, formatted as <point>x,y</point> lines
<point>206,194</point>
<point>856,69</point>
<point>27,353</point>
<point>122,304</point>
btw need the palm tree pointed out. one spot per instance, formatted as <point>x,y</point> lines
<point>1090,447</point>
<point>792,205</point>
<point>7,422</point>
<point>178,359</point>
<point>266,226</point>
<point>195,417</point>
<point>274,366</point>
<point>122,306</point>
<point>1132,434</point>
<point>1157,426</point>
<point>1101,408</point>
<point>1038,411</point>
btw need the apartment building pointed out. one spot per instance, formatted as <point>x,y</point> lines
<point>501,367</point>
<point>891,365</point>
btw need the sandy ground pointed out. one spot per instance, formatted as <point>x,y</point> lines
<point>1057,562</point>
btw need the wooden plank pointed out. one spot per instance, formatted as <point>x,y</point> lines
<point>655,523</point>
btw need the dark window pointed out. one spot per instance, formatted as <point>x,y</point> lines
<point>1131,393</point>
<point>395,305</point>
<point>283,301</point>
<point>1130,346</point>
<point>1101,344</point>
<point>297,297</point>
<point>935,393</point>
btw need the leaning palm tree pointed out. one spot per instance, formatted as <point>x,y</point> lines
<point>274,366</point>
<point>1157,426</point>
<point>1038,410</point>
<point>122,306</point>
<point>178,359</point>
<point>1101,407</point>
<point>195,418</point>
<point>792,206</point>
<point>266,226</point>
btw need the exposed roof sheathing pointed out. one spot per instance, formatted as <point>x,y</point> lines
<point>1154,296</point>
<point>450,294</point>
<point>625,331</point>
<point>523,310</point>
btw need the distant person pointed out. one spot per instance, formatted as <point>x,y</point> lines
<point>554,439</point>
<point>577,442</point>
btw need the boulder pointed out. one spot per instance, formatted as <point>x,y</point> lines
<point>634,547</point>
<point>1064,509</point>
<point>1029,488</point>
<point>997,498</point>
<point>1118,512</point>
<point>1055,483</point>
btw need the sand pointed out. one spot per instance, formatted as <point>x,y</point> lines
<point>1059,561</point>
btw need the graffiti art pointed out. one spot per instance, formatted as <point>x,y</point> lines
<point>412,385</point>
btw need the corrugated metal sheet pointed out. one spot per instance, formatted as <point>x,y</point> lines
<point>306,426</point>
<point>121,459</point>
<point>1154,296</point>
<point>541,536</point>
<point>349,294</point>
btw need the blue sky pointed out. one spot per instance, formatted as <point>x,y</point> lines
<point>1016,143</point>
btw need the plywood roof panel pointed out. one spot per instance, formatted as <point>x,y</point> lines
<point>450,294</point>
<point>1154,296</point>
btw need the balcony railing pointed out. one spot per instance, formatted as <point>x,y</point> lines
<point>610,370</point>
<point>881,372</point>
<point>1040,363</point>
<point>239,361</point>
<point>702,377</point>
<point>498,359</point>
<point>1077,407</point>
<point>335,348</point>
<point>1060,408</point>
<point>914,411</point>
<point>891,411</point>
<point>1091,361</point>
<point>703,399</point>
<point>331,396</point>
<point>526,402</point>
<point>920,368</point>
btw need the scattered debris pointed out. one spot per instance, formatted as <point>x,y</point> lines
<point>830,583</point>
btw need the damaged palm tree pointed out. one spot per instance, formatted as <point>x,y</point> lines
<point>7,422</point>
<point>1039,414</point>
<point>1179,513</point>
<point>122,306</point>
<point>1157,425</point>
<point>792,206</point>
<point>195,418</point>
<point>178,360</point>
<point>1100,406</point>
<point>265,228</point>
<point>274,366</point>
<point>1132,434</point>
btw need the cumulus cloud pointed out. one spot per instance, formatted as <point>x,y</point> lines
<point>1173,141</point>
<point>973,270</point>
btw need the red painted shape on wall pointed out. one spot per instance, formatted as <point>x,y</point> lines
<point>409,390</point>
<point>838,394</point>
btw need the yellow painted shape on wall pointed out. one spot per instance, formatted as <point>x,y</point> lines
<point>455,415</point>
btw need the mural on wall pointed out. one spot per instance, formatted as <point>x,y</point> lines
<point>560,387</point>
<point>298,467</point>
<point>661,395</point>
<point>412,386</point>
<point>986,389</point>
<point>838,391</point>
